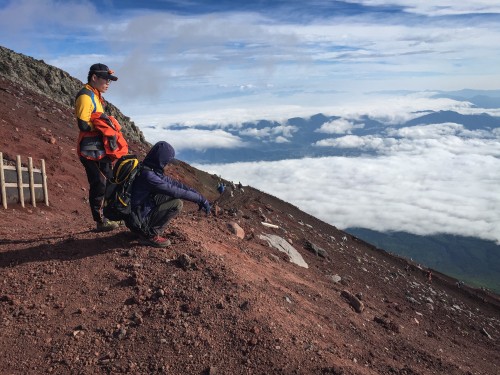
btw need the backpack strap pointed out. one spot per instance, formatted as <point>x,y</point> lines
<point>86,91</point>
<point>83,125</point>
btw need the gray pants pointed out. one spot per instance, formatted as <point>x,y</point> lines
<point>166,209</point>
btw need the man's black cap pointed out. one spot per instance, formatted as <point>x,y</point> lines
<point>102,71</point>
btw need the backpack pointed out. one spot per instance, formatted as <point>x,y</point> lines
<point>117,199</point>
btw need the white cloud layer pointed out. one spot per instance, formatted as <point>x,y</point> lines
<point>340,126</point>
<point>436,192</point>
<point>431,181</point>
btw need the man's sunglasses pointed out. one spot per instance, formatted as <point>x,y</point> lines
<point>106,79</point>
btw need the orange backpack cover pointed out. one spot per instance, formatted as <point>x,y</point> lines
<point>114,143</point>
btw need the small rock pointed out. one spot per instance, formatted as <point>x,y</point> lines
<point>185,262</point>
<point>335,278</point>
<point>484,332</point>
<point>120,333</point>
<point>216,209</point>
<point>42,116</point>
<point>316,249</point>
<point>236,229</point>
<point>412,300</point>
<point>353,301</point>
<point>387,324</point>
<point>9,299</point>
<point>245,306</point>
<point>137,318</point>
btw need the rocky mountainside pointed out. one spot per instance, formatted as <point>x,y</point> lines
<point>258,287</point>
<point>56,84</point>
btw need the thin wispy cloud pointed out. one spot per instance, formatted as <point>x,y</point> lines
<point>444,7</point>
<point>197,139</point>
<point>182,55</point>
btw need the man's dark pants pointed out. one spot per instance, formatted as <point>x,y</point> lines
<point>165,210</point>
<point>98,172</point>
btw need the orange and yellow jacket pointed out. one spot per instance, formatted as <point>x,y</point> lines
<point>100,135</point>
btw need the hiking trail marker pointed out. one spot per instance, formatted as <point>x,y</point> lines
<point>14,188</point>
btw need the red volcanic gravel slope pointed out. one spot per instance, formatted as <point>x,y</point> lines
<point>73,301</point>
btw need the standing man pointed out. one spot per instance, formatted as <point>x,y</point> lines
<point>89,106</point>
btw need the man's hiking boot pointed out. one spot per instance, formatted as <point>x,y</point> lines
<point>156,241</point>
<point>107,225</point>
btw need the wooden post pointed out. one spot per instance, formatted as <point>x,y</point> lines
<point>2,183</point>
<point>44,184</point>
<point>31,181</point>
<point>20,180</point>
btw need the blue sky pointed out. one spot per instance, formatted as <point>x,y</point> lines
<point>219,63</point>
<point>193,56</point>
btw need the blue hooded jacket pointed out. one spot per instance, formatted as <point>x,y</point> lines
<point>152,181</point>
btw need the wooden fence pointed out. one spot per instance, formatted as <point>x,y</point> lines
<point>14,188</point>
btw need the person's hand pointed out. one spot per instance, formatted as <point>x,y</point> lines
<point>205,206</point>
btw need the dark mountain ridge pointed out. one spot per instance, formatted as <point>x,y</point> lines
<point>468,259</point>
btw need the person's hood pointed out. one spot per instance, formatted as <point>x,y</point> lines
<point>160,155</point>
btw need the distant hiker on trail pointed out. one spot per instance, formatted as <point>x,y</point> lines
<point>156,197</point>
<point>100,141</point>
<point>221,187</point>
<point>240,187</point>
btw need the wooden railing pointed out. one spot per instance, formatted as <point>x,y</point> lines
<point>36,182</point>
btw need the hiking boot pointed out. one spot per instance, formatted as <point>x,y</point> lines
<point>156,241</point>
<point>107,225</point>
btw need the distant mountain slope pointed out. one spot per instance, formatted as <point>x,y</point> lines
<point>472,260</point>
<point>480,98</point>
<point>471,122</point>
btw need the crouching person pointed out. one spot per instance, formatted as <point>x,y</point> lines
<point>157,198</point>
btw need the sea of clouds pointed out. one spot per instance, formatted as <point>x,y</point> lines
<point>423,179</point>
<point>433,190</point>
